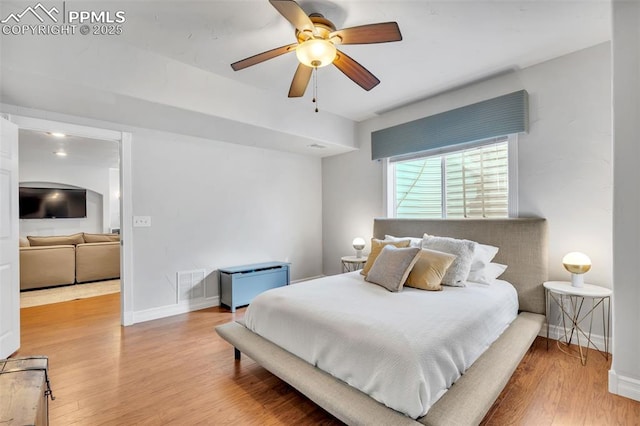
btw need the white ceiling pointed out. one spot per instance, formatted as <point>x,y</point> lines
<point>173,62</point>
<point>445,43</point>
<point>40,147</point>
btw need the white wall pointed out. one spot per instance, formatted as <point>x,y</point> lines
<point>216,204</point>
<point>565,172</point>
<point>92,178</point>
<point>624,376</point>
<point>212,204</point>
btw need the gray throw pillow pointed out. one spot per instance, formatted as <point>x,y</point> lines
<point>392,267</point>
<point>463,249</point>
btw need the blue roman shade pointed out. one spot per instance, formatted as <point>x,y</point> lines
<point>492,118</point>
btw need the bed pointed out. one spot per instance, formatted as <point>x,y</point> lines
<point>522,245</point>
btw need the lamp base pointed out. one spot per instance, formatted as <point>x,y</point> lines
<point>358,254</point>
<point>577,280</point>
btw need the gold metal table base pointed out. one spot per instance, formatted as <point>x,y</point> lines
<point>572,318</point>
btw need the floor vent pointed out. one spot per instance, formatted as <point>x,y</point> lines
<point>190,285</point>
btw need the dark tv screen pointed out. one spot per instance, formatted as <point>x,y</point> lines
<point>52,203</point>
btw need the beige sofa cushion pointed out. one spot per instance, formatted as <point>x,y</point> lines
<point>97,261</point>
<point>24,242</point>
<point>46,266</point>
<point>100,238</point>
<point>56,240</point>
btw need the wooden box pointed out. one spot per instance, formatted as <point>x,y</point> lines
<point>24,389</point>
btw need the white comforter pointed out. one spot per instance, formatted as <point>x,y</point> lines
<point>403,349</point>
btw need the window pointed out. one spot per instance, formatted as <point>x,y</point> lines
<point>477,181</point>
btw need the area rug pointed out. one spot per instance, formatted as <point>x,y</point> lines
<point>66,293</point>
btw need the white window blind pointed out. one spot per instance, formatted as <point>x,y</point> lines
<point>469,183</point>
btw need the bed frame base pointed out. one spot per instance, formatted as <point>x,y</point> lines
<point>465,403</point>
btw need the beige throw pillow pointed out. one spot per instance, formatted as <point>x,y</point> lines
<point>56,240</point>
<point>429,270</point>
<point>376,247</point>
<point>392,266</point>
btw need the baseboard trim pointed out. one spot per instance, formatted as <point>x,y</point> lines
<point>177,309</point>
<point>624,386</point>
<point>183,307</point>
<point>556,332</point>
<point>127,318</point>
<point>307,279</point>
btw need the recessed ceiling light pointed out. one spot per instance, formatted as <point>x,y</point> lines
<point>57,134</point>
<point>60,153</point>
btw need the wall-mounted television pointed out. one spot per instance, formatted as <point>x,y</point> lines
<point>52,203</point>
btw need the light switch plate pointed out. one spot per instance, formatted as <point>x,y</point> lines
<point>141,221</point>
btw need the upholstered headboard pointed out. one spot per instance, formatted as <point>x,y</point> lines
<point>522,243</point>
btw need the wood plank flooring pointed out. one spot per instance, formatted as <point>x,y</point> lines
<point>177,371</point>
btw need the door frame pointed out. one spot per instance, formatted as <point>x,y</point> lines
<point>124,140</point>
<point>9,253</point>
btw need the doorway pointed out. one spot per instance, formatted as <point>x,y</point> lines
<point>121,205</point>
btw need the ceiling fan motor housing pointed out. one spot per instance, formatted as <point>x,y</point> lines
<point>322,28</point>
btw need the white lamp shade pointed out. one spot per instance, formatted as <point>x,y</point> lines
<point>358,243</point>
<point>316,53</point>
<point>576,262</point>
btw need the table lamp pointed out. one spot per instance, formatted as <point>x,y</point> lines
<point>577,263</point>
<point>358,245</point>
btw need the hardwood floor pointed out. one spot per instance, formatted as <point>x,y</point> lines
<point>178,371</point>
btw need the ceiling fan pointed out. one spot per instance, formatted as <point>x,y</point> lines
<point>316,46</point>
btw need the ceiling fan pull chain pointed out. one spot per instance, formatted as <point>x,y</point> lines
<point>315,87</point>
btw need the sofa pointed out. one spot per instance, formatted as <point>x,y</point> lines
<point>67,259</point>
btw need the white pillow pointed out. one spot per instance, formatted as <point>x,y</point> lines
<point>413,242</point>
<point>464,249</point>
<point>488,274</point>
<point>482,256</point>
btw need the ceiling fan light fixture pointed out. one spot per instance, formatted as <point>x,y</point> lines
<point>316,53</point>
<point>316,41</point>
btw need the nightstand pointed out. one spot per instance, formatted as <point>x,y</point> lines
<point>352,263</point>
<point>571,301</point>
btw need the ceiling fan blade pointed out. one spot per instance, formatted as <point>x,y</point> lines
<point>372,33</point>
<point>293,13</point>
<point>264,56</point>
<point>356,72</point>
<point>300,81</point>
